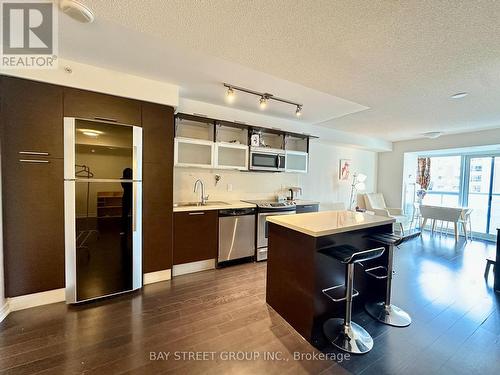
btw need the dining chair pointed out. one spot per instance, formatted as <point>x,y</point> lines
<point>439,213</point>
<point>465,222</point>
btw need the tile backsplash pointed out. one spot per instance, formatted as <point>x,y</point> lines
<point>233,185</point>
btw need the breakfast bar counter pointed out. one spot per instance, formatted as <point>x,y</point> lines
<point>297,272</point>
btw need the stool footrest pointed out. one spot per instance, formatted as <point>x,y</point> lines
<point>379,272</point>
<point>338,293</point>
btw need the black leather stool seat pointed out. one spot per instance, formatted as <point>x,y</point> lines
<point>392,239</point>
<point>349,254</point>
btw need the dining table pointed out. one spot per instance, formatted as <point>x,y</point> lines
<point>455,215</point>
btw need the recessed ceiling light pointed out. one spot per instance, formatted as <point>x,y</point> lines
<point>459,95</point>
<point>432,135</point>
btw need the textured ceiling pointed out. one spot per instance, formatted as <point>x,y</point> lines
<point>401,59</point>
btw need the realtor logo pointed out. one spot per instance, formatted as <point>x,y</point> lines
<point>29,34</point>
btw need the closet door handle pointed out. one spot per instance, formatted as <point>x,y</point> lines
<point>34,161</point>
<point>39,153</point>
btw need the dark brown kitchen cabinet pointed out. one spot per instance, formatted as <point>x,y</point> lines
<point>31,119</point>
<point>93,105</point>
<point>158,133</point>
<point>195,236</point>
<point>158,154</point>
<point>33,225</point>
<point>157,217</point>
<point>31,124</point>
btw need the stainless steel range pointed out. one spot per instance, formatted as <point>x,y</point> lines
<point>265,209</point>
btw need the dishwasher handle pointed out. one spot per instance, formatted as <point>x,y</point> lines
<point>237,212</point>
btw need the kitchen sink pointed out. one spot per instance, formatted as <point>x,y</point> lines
<point>198,204</point>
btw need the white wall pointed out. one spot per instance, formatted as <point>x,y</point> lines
<point>322,182</point>
<point>391,164</point>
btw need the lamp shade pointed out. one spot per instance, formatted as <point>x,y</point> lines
<point>361,177</point>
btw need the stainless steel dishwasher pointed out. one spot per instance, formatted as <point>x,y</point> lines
<point>236,234</point>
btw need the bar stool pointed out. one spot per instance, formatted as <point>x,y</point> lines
<point>342,332</point>
<point>385,312</point>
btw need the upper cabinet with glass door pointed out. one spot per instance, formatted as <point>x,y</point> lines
<point>194,142</point>
<point>231,148</point>
<point>203,142</point>
<point>297,157</point>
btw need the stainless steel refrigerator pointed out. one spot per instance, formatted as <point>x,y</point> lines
<point>103,208</point>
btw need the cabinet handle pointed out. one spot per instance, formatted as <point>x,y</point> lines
<point>106,119</point>
<point>36,161</point>
<point>40,153</point>
<point>307,206</point>
<point>196,213</point>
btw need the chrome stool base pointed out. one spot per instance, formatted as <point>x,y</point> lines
<point>388,314</point>
<point>352,339</point>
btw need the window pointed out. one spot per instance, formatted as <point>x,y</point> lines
<point>468,180</point>
<point>444,187</point>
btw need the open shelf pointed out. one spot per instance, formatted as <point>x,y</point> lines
<point>109,204</point>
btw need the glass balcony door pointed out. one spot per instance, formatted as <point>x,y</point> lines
<point>483,194</point>
<point>479,185</point>
<point>494,217</point>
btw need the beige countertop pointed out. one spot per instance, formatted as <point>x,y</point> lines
<point>324,223</point>
<point>215,205</point>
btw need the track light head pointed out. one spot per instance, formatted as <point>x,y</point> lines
<point>230,95</point>
<point>263,102</point>
<point>298,111</point>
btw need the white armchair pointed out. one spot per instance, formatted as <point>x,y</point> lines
<point>375,202</point>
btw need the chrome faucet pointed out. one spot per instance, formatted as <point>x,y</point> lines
<point>204,198</point>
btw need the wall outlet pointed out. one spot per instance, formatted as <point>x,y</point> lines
<point>229,187</point>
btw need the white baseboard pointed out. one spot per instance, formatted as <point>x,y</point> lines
<point>4,310</point>
<point>202,265</point>
<point>155,277</point>
<point>37,299</point>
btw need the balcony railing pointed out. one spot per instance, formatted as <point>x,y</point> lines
<point>442,198</point>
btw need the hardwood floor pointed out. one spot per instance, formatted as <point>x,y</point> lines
<point>455,329</point>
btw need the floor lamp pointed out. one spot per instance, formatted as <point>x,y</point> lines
<point>358,184</point>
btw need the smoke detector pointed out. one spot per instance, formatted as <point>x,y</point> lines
<point>76,10</point>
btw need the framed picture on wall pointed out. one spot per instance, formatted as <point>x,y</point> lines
<point>345,169</point>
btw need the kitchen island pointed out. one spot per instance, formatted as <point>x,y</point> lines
<point>297,272</point>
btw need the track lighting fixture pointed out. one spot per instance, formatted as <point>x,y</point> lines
<point>264,97</point>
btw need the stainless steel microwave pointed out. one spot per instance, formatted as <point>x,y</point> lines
<point>267,159</point>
